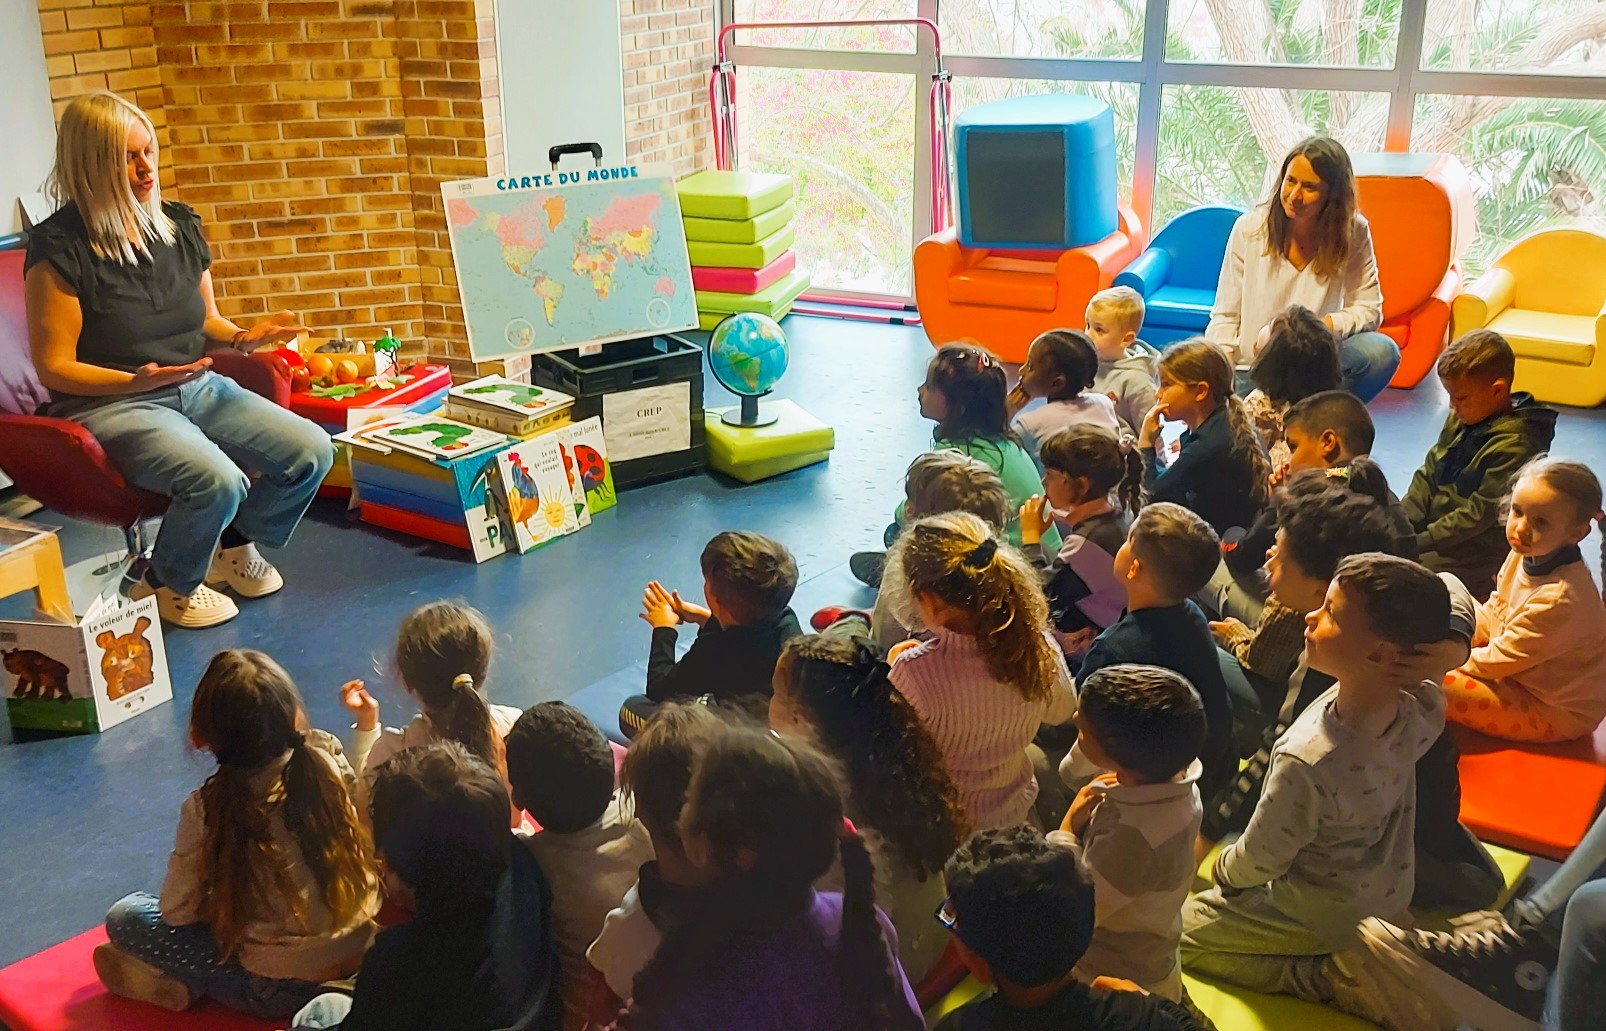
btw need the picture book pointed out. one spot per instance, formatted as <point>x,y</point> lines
<point>540,505</point>
<point>508,395</point>
<point>432,436</point>
<point>593,470</point>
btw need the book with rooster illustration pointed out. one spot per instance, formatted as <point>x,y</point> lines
<point>540,505</point>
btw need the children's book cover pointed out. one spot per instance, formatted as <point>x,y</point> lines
<point>510,396</point>
<point>577,494</point>
<point>539,504</point>
<point>591,465</point>
<point>435,437</point>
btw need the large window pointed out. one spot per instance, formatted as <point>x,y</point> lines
<point>1207,95</point>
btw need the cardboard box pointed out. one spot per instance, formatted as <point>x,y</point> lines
<point>514,367</point>
<point>84,677</point>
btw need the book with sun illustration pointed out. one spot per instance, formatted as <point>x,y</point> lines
<point>540,505</point>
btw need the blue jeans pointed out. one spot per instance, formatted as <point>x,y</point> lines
<point>1368,361</point>
<point>188,954</point>
<point>1578,991</point>
<point>194,443</point>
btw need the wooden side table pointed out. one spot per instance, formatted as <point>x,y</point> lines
<point>30,560</point>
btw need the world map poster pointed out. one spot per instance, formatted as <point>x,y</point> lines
<point>543,266</point>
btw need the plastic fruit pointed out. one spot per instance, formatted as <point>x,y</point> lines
<point>320,366</point>
<point>347,371</point>
<point>300,379</point>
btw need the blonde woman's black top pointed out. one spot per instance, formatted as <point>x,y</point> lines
<point>150,311</point>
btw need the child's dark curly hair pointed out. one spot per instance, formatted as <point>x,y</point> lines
<point>894,769</point>
<point>1300,358</point>
<point>1070,353</point>
<point>973,384</point>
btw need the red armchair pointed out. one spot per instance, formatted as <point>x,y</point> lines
<point>58,462</point>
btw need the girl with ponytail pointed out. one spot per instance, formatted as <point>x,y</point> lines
<point>832,690</point>
<point>1221,472</point>
<point>992,672</point>
<point>271,887</point>
<point>767,952</point>
<point>1093,480</point>
<point>443,652</point>
<point>1538,665</point>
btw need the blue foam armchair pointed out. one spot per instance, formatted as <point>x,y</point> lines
<point>1177,275</point>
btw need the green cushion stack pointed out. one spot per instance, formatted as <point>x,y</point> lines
<point>739,233</point>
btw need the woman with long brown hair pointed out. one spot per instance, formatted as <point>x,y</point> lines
<point>1307,245</point>
<point>121,316</point>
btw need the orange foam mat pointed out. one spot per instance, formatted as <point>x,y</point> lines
<point>57,990</point>
<point>1537,798</point>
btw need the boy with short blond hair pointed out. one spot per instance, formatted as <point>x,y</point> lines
<point>1454,499</point>
<point>1129,369</point>
<point>1331,841</point>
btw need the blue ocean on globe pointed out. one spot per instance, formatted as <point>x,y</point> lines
<point>748,354</point>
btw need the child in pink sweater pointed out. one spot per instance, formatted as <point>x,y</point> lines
<point>1538,665</point>
<point>992,672</point>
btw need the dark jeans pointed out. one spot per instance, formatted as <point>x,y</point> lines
<point>188,954</point>
<point>1578,992</point>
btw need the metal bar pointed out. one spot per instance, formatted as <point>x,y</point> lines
<point>1145,157</point>
<point>1407,55</point>
<point>827,60</point>
<point>916,23</point>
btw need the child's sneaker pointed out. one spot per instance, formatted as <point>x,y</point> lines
<point>245,570</point>
<point>866,567</point>
<point>135,979</point>
<point>1493,976</point>
<point>824,619</point>
<point>201,608</point>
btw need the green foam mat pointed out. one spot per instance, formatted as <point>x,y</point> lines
<point>714,194</point>
<point>740,255</point>
<point>776,297</point>
<point>741,230</point>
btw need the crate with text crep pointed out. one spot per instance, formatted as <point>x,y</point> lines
<point>649,394</point>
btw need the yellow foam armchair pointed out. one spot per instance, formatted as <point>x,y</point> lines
<point>1547,296</point>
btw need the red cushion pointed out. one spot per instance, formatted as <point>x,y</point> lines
<point>1536,798</point>
<point>57,990</point>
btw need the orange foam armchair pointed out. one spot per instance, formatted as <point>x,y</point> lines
<point>1005,299</point>
<point>1547,296</point>
<point>1423,216</point>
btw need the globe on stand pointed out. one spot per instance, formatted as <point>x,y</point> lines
<point>748,355</point>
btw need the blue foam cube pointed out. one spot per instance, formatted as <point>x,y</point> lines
<point>1036,173</point>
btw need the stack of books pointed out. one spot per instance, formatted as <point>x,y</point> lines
<point>507,406</point>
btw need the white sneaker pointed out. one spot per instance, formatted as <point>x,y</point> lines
<point>201,608</point>
<point>245,570</point>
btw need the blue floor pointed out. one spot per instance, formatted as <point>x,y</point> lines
<point>83,820</point>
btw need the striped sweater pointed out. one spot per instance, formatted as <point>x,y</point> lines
<point>981,725</point>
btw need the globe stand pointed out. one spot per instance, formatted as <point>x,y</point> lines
<point>749,415</point>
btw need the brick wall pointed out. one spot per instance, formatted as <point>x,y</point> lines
<point>312,135</point>
<point>668,48</point>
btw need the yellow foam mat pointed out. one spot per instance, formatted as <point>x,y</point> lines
<point>733,195</point>
<point>794,440</point>
<point>1238,1009</point>
<point>740,230</point>
<point>741,255</point>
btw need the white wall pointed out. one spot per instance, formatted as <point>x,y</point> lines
<point>562,80</point>
<point>27,125</point>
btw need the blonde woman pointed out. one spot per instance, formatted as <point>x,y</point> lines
<point>120,317</point>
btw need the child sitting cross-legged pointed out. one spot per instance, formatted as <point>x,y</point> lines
<point>766,951</point>
<point>1060,368</point>
<point>1022,912</point>
<point>1454,499</point>
<point>748,580</point>
<point>669,886</point>
<point>1166,558</point>
<point>271,886</point>
<point>475,952</point>
<point>1538,665</point>
<point>1094,482</point>
<point>561,769</point>
<point>1331,841</point>
<point>1135,827</point>
<point>992,672</point>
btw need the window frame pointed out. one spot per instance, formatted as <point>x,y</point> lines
<point>1152,73</point>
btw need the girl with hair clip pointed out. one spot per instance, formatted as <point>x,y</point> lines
<point>1300,359</point>
<point>443,651</point>
<point>1094,482</point>
<point>1221,472</point>
<point>992,672</point>
<point>1060,367</point>
<point>767,952</point>
<point>271,887</point>
<point>1538,666</point>
<point>833,691</point>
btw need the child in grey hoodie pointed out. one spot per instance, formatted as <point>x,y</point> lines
<point>1129,369</point>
